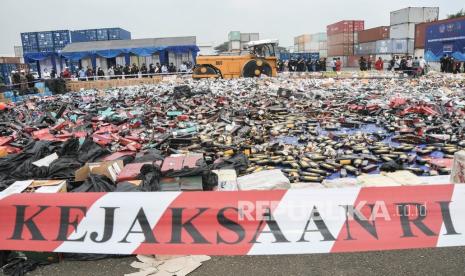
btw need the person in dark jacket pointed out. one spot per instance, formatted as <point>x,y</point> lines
<point>143,70</point>
<point>89,73</point>
<point>100,73</point>
<point>172,68</point>
<point>151,70</point>
<point>127,71</point>
<point>134,70</point>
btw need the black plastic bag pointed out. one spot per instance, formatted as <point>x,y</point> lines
<point>390,166</point>
<point>150,176</point>
<point>150,156</point>
<point>238,162</point>
<point>127,187</point>
<point>95,183</point>
<point>91,151</point>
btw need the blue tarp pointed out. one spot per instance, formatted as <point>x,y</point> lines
<point>30,57</point>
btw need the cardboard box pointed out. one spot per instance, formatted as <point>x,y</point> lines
<point>110,169</point>
<point>227,180</point>
<point>35,186</point>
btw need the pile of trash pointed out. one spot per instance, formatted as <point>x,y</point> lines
<point>228,135</point>
<point>181,136</point>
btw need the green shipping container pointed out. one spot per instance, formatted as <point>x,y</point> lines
<point>234,36</point>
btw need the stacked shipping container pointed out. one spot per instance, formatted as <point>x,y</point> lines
<point>403,23</point>
<point>342,38</point>
<point>312,43</point>
<point>100,34</point>
<point>236,40</point>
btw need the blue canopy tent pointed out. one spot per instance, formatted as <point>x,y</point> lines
<point>126,48</point>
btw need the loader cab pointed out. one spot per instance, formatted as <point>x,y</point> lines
<point>263,48</point>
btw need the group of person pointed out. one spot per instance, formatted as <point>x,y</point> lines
<point>450,65</point>
<point>22,82</point>
<point>134,71</point>
<point>412,66</point>
<point>302,65</point>
<point>118,71</point>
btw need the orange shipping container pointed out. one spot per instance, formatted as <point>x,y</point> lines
<point>420,30</point>
<point>341,38</point>
<point>373,34</point>
<point>340,50</point>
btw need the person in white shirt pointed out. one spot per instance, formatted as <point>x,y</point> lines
<point>422,65</point>
<point>46,74</point>
<point>183,67</point>
<point>164,68</point>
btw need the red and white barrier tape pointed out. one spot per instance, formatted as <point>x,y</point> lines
<point>236,223</point>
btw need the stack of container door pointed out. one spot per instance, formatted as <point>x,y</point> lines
<point>402,30</point>
<point>342,39</point>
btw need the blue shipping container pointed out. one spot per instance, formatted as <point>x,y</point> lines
<point>77,36</point>
<point>5,71</point>
<point>61,38</point>
<point>45,40</point>
<point>295,56</point>
<point>102,34</point>
<point>118,34</point>
<point>445,38</point>
<point>29,40</point>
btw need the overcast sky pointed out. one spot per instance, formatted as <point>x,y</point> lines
<point>209,20</point>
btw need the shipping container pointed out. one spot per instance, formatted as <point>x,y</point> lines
<point>341,50</point>
<point>254,36</point>
<point>118,34</point>
<point>420,30</point>
<point>367,48</point>
<point>45,40</point>
<point>345,26</point>
<point>30,50</point>
<point>419,53</point>
<point>445,37</point>
<point>29,40</point>
<point>341,38</point>
<point>319,37</point>
<point>234,36</point>
<point>14,60</point>
<point>19,51</point>
<point>402,31</point>
<point>414,15</point>
<point>323,53</point>
<point>78,36</point>
<point>102,34</point>
<point>323,45</point>
<point>373,34</point>
<point>245,37</point>
<point>61,38</point>
<point>234,45</point>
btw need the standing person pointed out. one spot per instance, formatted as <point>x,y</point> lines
<point>323,65</point>
<point>111,72</point>
<point>362,63</point>
<point>90,73</point>
<point>309,65</point>
<point>443,63</point>
<point>151,70</point>
<point>369,63</point>
<point>164,69</point>
<point>379,64</point>
<point>409,66</point>
<point>338,65</point>
<point>134,70</point>
<point>157,68</point>
<point>100,73</point>
<point>392,62</point>
<point>332,64</point>
<point>416,66</point>
<point>450,65</point>
<point>66,74</point>
<point>46,74</point>
<point>143,70</point>
<point>118,72</point>
<point>397,64</point>
<point>172,68</point>
<point>82,74</point>
<point>422,64</point>
<point>53,74</point>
